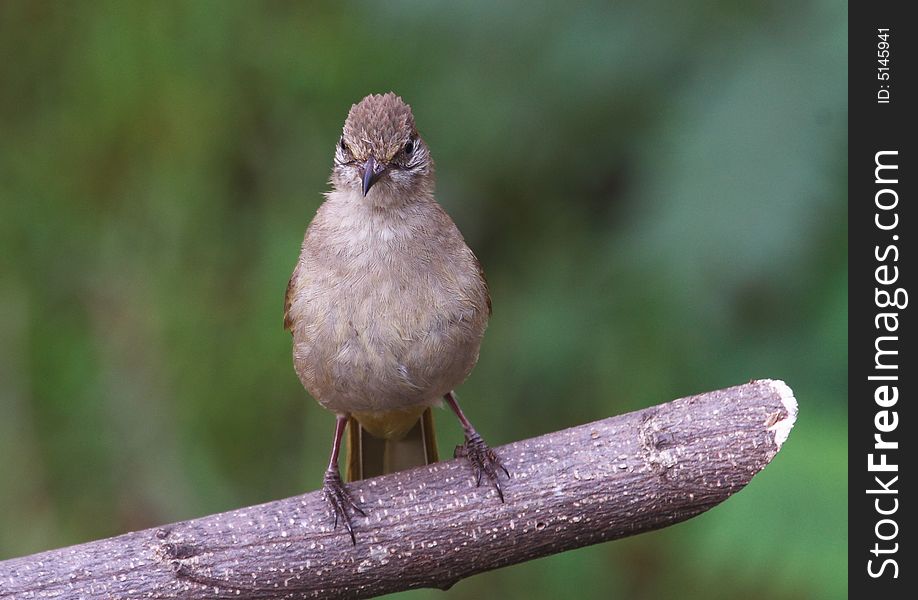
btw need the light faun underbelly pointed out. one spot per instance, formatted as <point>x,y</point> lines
<point>379,346</point>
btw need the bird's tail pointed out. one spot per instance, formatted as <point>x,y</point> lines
<point>369,456</point>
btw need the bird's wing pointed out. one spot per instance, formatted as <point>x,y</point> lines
<point>484,281</point>
<point>288,298</point>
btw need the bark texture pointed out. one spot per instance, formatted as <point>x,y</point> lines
<point>431,526</point>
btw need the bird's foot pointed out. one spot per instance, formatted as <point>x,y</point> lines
<point>340,501</point>
<point>483,459</point>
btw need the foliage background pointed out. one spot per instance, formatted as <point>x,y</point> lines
<point>657,191</point>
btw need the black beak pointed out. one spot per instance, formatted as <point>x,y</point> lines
<point>372,170</point>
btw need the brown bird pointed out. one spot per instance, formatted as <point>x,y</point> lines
<point>387,305</point>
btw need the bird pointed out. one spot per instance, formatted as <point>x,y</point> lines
<point>387,306</point>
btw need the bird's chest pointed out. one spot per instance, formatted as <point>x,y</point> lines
<point>376,290</point>
<point>384,311</point>
<point>382,305</point>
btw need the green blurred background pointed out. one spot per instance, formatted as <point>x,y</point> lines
<point>657,192</point>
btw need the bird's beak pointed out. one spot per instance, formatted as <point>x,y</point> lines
<point>372,170</point>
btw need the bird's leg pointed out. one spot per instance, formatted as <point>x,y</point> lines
<point>483,459</point>
<point>333,488</point>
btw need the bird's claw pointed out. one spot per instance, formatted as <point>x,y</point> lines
<point>483,460</point>
<point>340,501</point>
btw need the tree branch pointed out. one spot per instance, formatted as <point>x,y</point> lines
<point>431,527</point>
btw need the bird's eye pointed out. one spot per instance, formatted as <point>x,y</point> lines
<point>409,147</point>
<point>342,144</point>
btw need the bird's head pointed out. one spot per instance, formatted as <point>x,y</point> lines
<point>380,154</point>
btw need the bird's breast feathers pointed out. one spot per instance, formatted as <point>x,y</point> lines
<point>383,305</point>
